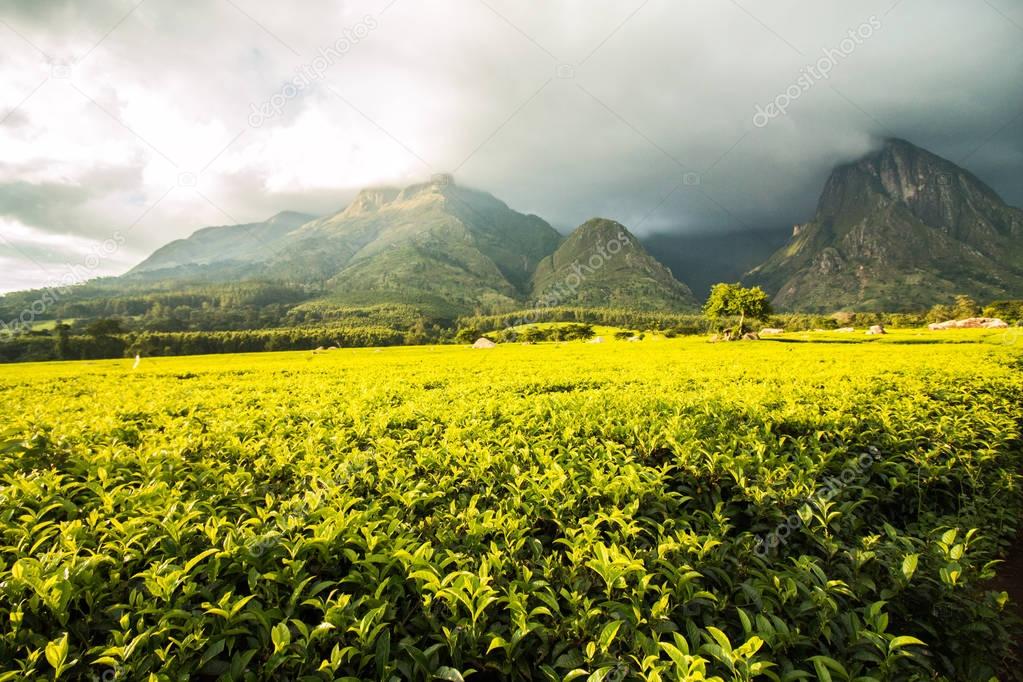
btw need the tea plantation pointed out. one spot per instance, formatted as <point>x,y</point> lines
<point>662,510</point>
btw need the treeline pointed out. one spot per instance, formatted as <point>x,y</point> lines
<point>201,343</point>
<point>104,300</point>
<point>675,324</point>
<point>1007,311</point>
<point>962,307</point>
<point>57,344</point>
<point>313,324</point>
<point>249,305</point>
<point>42,346</point>
<point>393,315</point>
<point>610,317</point>
<point>531,334</point>
<point>219,307</point>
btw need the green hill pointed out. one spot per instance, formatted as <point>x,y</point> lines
<point>226,246</point>
<point>602,264</point>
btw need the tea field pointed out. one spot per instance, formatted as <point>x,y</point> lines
<point>663,510</point>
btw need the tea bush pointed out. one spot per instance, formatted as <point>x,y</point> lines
<point>664,510</point>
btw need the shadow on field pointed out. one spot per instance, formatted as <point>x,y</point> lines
<point>1009,578</point>
<point>894,342</point>
<point>843,341</point>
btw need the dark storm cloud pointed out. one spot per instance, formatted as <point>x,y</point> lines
<point>646,112</point>
<point>60,203</point>
<point>943,75</point>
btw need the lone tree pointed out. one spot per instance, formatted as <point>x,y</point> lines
<point>733,299</point>
<point>62,347</point>
<point>964,306</point>
<point>940,312</point>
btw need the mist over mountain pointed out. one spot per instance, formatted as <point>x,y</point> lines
<point>898,229</point>
<point>704,259</point>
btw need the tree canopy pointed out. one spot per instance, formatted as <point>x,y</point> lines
<point>727,300</point>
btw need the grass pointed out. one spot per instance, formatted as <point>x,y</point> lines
<point>1000,337</point>
<point>49,325</point>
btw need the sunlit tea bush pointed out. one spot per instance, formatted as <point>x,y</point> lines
<point>662,510</point>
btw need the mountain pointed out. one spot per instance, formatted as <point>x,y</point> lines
<point>899,229</point>
<point>707,258</point>
<point>432,243</point>
<point>603,264</point>
<point>436,244</point>
<point>249,243</point>
<point>445,248</point>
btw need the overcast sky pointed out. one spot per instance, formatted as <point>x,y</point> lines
<point>131,123</point>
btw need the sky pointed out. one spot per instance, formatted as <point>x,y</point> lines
<point>126,124</point>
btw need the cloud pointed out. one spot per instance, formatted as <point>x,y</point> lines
<point>136,116</point>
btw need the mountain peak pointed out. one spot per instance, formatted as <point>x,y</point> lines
<point>603,264</point>
<point>899,228</point>
<point>440,184</point>
<point>371,199</point>
<point>934,189</point>
<point>896,147</point>
<point>291,218</point>
<point>900,143</point>
<point>433,240</point>
<point>603,225</point>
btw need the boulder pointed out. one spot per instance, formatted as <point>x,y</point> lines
<point>771,330</point>
<point>483,342</point>
<point>969,323</point>
<point>876,330</point>
<point>750,336</point>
